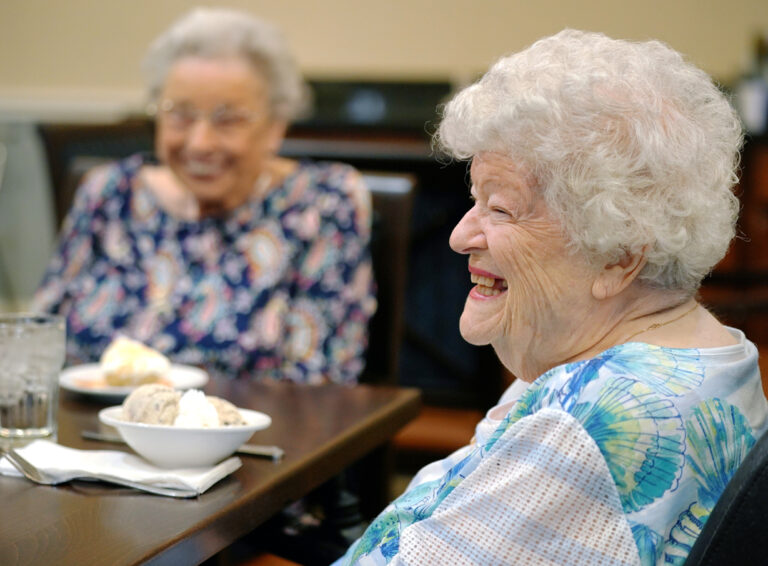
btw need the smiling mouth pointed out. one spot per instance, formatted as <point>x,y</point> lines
<point>488,286</point>
<point>198,168</point>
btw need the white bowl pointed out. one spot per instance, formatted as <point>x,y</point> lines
<point>184,447</point>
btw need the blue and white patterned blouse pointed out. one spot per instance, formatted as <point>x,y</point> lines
<point>616,460</point>
<point>279,288</point>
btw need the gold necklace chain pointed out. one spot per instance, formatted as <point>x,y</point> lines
<point>656,325</point>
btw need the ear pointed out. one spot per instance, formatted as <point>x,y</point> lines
<point>616,277</point>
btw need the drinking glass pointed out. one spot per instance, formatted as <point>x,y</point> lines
<point>31,357</point>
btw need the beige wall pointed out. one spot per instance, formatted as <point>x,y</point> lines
<point>78,49</point>
<point>79,60</point>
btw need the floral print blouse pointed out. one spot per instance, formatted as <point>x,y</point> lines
<point>281,287</point>
<point>615,460</point>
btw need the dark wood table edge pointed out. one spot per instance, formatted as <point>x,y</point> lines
<point>194,547</point>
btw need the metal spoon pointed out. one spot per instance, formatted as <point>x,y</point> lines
<point>274,452</point>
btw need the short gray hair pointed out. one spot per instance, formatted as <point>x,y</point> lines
<point>630,145</point>
<point>220,32</point>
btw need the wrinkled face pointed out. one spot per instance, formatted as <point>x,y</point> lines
<point>214,128</point>
<point>529,290</point>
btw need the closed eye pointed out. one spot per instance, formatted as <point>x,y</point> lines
<point>502,211</point>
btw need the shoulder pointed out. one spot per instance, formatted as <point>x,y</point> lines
<point>664,372</point>
<point>648,407</point>
<point>108,180</point>
<point>334,192</point>
<point>631,395</point>
<point>332,177</point>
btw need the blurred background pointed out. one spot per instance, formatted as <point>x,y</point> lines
<point>379,70</point>
<point>88,48</point>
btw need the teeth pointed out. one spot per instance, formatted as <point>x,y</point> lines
<point>487,286</point>
<point>487,291</point>
<point>202,168</point>
<point>480,280</point>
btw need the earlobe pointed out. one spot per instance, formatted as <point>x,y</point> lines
<point>599,288</point>
<point>616,277</point>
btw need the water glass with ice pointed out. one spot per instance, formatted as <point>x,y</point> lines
<point>31,357</point>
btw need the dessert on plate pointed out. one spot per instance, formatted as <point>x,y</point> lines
<point>160,404</point>
<point>128,362</point>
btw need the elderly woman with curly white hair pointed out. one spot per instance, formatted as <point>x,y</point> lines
<point>215,250</point>
<point>601,181</point>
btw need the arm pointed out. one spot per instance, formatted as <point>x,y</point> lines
<point>483,430</point>
<point>332,297</point>
<point>542,494</point>
<point>73,254</point>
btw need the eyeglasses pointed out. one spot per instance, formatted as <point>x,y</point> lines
<point>223,119</point>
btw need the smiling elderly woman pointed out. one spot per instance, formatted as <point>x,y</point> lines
<point>601,178</point>
<point>221,254</point>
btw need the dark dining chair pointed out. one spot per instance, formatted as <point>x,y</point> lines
<point>71,149</point>
<point>392,199</point>
<point>739,521</point>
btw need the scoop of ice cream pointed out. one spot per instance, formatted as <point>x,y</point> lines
<point>229,415</point>
<point>152,404</point>
<point>195,410</point>
<point>129,362</point>
<point>159,404</point>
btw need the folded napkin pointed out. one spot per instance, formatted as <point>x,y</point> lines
<point>68,463</point>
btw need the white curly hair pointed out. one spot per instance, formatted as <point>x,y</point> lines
<point>222,32</point>
<point>631,147</point>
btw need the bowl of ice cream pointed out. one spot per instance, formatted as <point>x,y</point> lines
<point>176,429</point>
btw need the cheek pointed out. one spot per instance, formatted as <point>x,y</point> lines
<point>246,152</point>
<point>535,281</point>
<point>168,143</point>
<point>524,261</point>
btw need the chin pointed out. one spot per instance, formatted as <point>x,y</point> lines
<point>205,185</point>
<point>207,191</point>
<point>209,197</point>
<point>472,333</point>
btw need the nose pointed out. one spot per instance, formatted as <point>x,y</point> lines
<point>468,235</point>
<point>201,135</point>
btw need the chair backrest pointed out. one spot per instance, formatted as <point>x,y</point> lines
<point>392,199</point>
<point>65,143</point>
<point>739,521</point>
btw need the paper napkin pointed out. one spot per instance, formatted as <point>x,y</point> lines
<point>67,463</point>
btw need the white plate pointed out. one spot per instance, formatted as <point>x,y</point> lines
<point>89,380</point>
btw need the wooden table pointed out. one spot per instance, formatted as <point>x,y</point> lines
<point>322,429</point>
